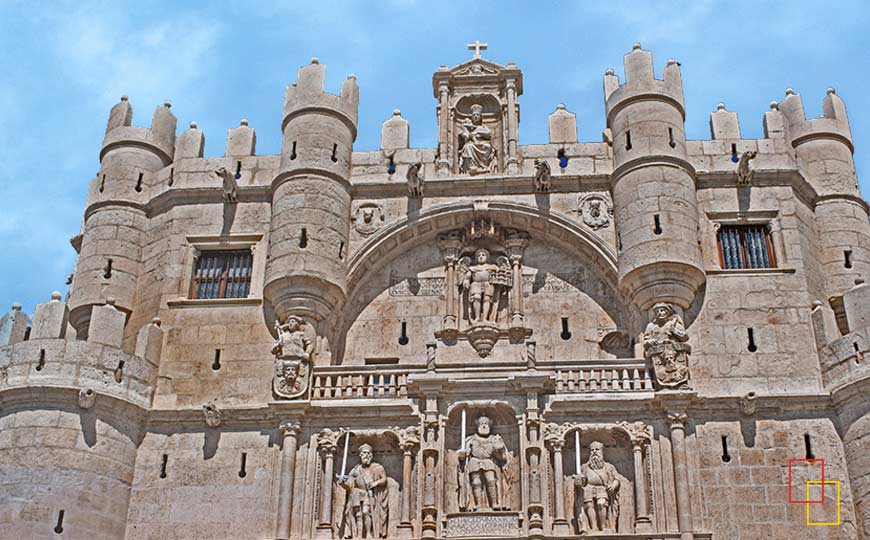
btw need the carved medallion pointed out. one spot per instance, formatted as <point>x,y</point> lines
<point>595,210</point>
<point>368,218</point>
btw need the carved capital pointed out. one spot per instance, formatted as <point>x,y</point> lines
<point>327,440</point>
<point>677,420</point>
<point>409,437</point>
<point>289,427</point>
<point>554,435</point>
<point>638,432</point>
<point>450,245</point>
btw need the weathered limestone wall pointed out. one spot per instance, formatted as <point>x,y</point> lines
<point>747,495</point>
<point>202,490</point>
<point>54,457</point>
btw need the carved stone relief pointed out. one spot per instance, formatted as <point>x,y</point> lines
<point>483,287</point>
<point>595,209</point>
<point>213,415</point>
<point>598,486</point>
<point>744,170</point>
<point>368,218</point>
<point>293,352</point>
<point>665,346</point>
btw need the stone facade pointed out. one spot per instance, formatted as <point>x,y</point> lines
<point>481,339</point>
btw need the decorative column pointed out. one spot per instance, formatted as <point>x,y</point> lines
<point>536,506</point>
<point>556,439</point>
<point>328,443</point>
<point>408,441</point>
<point>677,424</point>
<point>443,164</point>
<point>512,161</point>
<point>450,245</point>
<point>640,436</point>
<point>289,432</point>
<point>516,243</point>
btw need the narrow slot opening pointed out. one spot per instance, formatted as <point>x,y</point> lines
<point>119,371</point>
<point>403,338</point>
<point>734,157</point>
<point>726,457</point>
<point>238,169</point>
<point>293,152</point>
<point>618,242</point>
<point>242,472</point>
<point>163,463</point>
<point>107,270</point>
<point>750,345</point>
<point>27,333</point>
<point>303,238</point>
<point>628,139</point>
<point>563,159</point>
<point>566,333</point>
<point>671,142</point>
<point>216,365</point>
<point>171,176</point>
<point>103,183</point>
<point>41,363</point>
<point>334,150</point>
<point>59,527</point>
<point>139,182</point>
<point>808,446</point>
<point>391,168</point>
<point>847,258</point>
<point>341,251</point>
<point>657,229</point>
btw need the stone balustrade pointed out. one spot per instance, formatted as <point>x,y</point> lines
<point>338,382</point>
<point>620,376</point>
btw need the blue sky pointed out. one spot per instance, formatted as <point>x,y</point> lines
<point>64,64</point>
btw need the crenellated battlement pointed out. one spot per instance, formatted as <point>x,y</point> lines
<point>308,94</point>
<point>50,355</point>
<point>832,124</point>
<point>640,83</point>
<point>159,138</point>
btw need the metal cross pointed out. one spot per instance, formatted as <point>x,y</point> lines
<point>477,46</point>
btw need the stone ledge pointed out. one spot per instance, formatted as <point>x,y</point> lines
<point>744,272</point>
<point>213,302</point>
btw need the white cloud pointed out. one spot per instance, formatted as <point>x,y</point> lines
<point>109,55</point>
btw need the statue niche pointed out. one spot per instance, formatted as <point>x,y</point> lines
<point>483,285</point>
<point>477,154</point>
<point>482,484</point>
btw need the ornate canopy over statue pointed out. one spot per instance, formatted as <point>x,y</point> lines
<point>478,116</point>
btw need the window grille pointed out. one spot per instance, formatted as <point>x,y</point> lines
<point>222,274</point>
<point>745,247</point>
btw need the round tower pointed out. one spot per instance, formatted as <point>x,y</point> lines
<point>824,150</point>
<point>653,184</point>
<point>311,198</point>
<point>110,255</point>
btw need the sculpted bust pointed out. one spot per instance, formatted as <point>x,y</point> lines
<point>477,155</point>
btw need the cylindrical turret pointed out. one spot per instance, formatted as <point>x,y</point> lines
<point>824,149</point>
<point>110,256</point>
<point>308,240</point>
<point>655,207</point>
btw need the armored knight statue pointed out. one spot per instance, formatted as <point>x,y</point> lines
<point>477,155</point>
<point>597,487</point>
<point>483,470</point>
<point>366,509</point>
<point>484,283</point>
<point>292,352</point>
<point>665,344</point>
